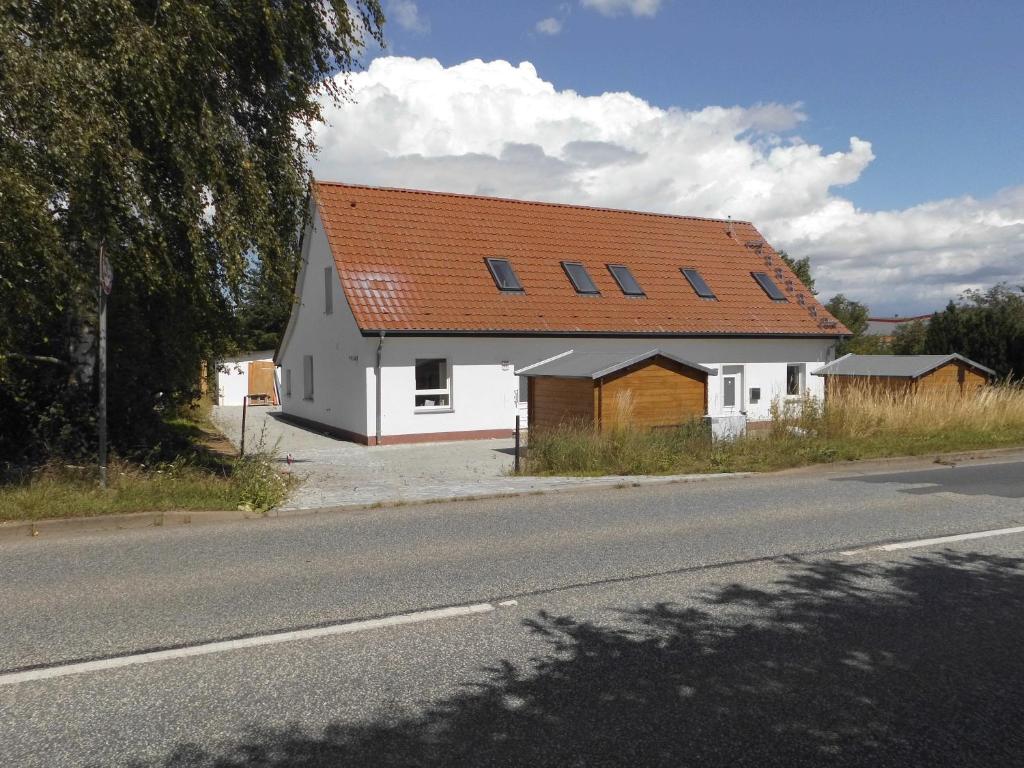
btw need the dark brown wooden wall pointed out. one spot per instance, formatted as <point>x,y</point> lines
<point>655,393</point>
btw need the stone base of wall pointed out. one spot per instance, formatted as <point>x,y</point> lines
<point>425,437</point>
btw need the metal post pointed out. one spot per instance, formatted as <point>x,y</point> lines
<point>101,372</point>
<point>245,405</point>
<point>517,444</point>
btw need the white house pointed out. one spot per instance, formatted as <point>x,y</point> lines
<point>414,309</point>
<point>247,373</point>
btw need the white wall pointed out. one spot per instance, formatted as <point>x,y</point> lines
<point>483,393</point>
<point>233,377</point>
<point>340,354</point>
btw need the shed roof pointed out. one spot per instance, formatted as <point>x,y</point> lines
<point>412,263</point>
<point>597,365</point>
<point>899,366</point>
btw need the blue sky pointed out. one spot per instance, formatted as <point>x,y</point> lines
<point>882,140</point>
<point>937,87</point>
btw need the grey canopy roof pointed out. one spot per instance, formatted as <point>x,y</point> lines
<point>596,365</point>
<point>900,366</point>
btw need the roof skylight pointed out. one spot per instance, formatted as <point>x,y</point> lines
<point>769,287</point>
<point>626,281</point>
<point>580,278</point>
<point>504,276</point>
<point>700,286</point>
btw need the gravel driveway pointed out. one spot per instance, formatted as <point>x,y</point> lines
<point>337,473</point>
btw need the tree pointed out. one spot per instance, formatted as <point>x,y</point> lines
<point>986,326</point>
<point>175,136</point>
<point>909,338</point>
<point>854,315</point>
<point>801,268</point>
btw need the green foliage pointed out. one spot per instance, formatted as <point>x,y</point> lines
<point>801,268</point>
<point>909,338</point>
<point>860,424</point>
<point>175,135</point>
<point>986,326</point>
<point>854,315</point>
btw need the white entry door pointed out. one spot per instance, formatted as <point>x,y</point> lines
<point>732,388</point>
<point>521,401</point>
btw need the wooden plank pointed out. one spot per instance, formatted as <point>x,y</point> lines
<point>653,393</point>
<point>555,401</point>
<point>261,383</point>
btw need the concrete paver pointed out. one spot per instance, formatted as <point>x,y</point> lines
<point>337,473</point>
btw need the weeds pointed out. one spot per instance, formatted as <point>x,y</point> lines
<point>857,424</point>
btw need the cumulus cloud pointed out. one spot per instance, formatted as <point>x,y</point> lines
<point>406,14</point>
<point>498,129</point>
<point>549,26</point>
<point>618,7</point>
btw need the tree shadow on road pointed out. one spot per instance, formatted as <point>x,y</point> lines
<point>910,664</point>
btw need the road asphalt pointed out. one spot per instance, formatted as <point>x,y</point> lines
<point>746,622</point>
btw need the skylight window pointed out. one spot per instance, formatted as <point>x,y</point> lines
<point>626,281</point>
<point>504,277</point>
<point>580,278</point>
<point>699,285</point>
<point>769,287</point>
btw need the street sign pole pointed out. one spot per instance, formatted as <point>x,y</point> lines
<point>106,279</point>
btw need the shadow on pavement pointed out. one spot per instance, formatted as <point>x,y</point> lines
<point>1006,480</point>
<point>912,664</point>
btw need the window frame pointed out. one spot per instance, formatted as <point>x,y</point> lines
<point>801,380</point>
<point>768,285</point>
<point>308,389</point>
<point>490,261</point>
<point>611,269</point>
<point>328,291</point>
<point>572,280</point>
<point>446,391</point>
<point>710,295</point>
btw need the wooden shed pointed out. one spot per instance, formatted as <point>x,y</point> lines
<point>649,389</point>
<point>906,373</point>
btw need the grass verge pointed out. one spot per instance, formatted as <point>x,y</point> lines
<point>192,469</point>
<point>859,424</point>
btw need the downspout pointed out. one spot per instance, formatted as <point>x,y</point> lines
<point>376,376</point>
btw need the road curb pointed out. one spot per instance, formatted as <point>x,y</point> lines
<point>22,529</point>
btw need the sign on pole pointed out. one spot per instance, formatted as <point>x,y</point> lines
<point>106,284</point>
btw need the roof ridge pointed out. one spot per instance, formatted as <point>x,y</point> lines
<point>495,198</point>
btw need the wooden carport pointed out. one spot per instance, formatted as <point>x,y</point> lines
<point>609,389</point>
<point>905,373</point>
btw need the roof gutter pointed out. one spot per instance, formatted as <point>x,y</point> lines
<point>370,332</point>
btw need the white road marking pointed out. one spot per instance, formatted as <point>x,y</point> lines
<point>938,540</point>
<point>508,603</point>
<point>98,665</point>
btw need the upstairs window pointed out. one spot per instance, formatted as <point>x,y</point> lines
<point>699,285</point>
<point>580,278</point>
<point>307,377</point>
<point>328,291</point>
<point>504,277</point>
<point>769,287</point>
<point>626,281</point>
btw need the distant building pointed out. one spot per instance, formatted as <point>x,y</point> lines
<point>886,326</point>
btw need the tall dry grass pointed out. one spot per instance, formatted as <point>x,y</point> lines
<point>859,423</point>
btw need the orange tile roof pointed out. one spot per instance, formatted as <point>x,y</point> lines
<point>413,261</point>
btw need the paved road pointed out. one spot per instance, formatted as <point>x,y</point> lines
<point>696,624</point>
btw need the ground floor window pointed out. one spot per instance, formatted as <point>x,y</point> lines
<point>288,382</point>
<point>795,379</point>
<point>433,384</point>
<point>307,377</point>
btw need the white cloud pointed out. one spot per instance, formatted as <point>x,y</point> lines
<point>618,7</point>
<point>549,26</point>
<point>494,128</point>
<point>406,14</point>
